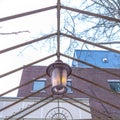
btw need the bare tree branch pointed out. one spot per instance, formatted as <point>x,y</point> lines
<point>15,33</point>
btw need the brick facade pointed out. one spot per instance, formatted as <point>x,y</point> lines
<point>91,74</point>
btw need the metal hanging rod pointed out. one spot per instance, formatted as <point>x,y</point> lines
<point>58,29</point>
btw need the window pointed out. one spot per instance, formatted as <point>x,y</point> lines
<point>69,89</point>
<point>114,85</point>
<point>39,84</point>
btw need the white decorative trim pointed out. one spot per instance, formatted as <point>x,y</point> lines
<point>114,80</point>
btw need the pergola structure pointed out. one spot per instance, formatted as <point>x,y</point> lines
<point>58,34</point>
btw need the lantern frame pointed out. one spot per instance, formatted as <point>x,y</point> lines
<point>63,68</point>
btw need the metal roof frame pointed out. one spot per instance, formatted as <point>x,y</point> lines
<point>58,34</point>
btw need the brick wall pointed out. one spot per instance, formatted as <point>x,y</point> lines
<point>90,74</point>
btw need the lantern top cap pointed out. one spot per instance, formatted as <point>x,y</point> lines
<point>58,64</point>
<point>58,61</point>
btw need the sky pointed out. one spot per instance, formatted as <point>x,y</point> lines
<point>28,28</point>
<point>24,29</point>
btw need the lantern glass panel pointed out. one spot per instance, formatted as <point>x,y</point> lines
<point>59,77</point>
<point>64,77</point>
<point>59,80</point>
<point>55,77</point>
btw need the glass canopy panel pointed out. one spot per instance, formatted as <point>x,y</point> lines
<point>91,28</point>
<point>27,28</point>
<point>76,24</point>
<point>22,30</point>
<point>13,7</point>
<point>106,7</point>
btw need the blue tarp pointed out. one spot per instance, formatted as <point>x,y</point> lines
<point>99,58</point>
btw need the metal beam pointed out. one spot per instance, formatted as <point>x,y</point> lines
<point>95,84</point>
<point>58,29</point>
<point>91,14</point>
<point>27,13</point>
<point>36,103</point>
<point>99,99</point>
<point>27,43</point>
<point>81,108</point>
<point>90,43</point>
<point>106,115</point>
<point>26,83</point>
<point>35,109</point>
<point>25,66</point>
<point>101,69</point>
<point>24,98</point>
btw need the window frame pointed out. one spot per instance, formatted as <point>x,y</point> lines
<point>71,91</point>
<point>114,81</point>
<point>39,80</point>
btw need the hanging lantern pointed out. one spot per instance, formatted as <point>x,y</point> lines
<point>59,72</point>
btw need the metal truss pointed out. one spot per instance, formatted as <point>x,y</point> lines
<point>58,54</point>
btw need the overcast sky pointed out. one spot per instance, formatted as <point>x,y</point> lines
<point>28,28</point>
<point>20,30</point>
